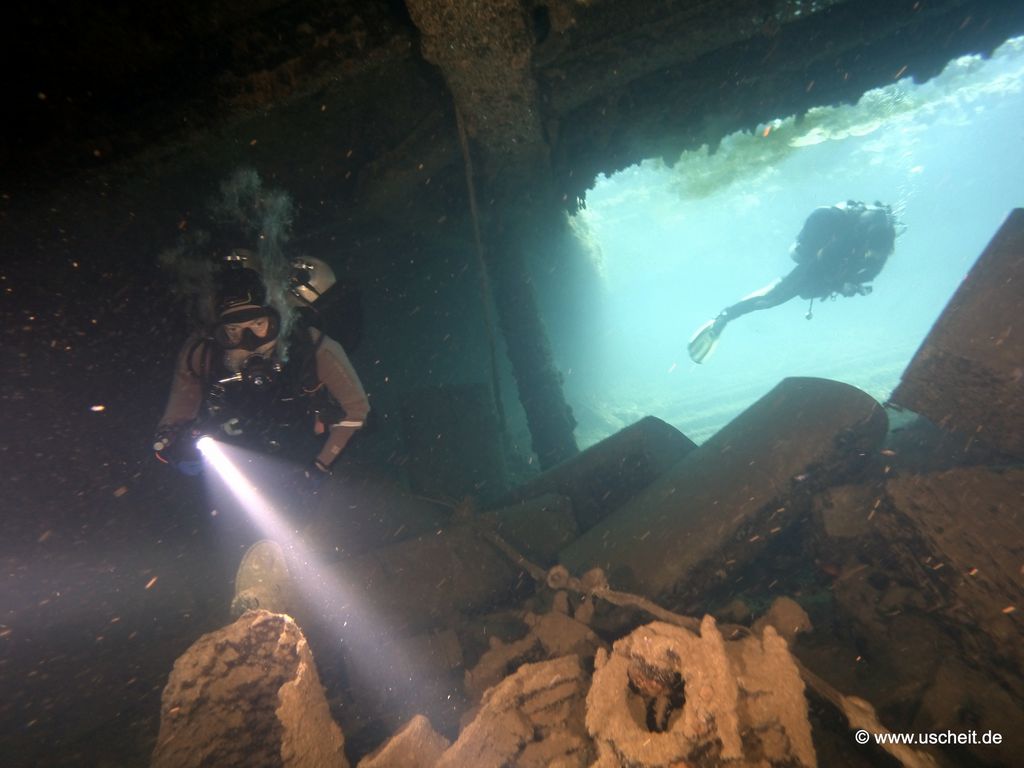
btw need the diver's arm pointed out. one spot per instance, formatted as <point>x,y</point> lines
<point>186,395</point>
<point>771,295</point>
<point>337,374</point>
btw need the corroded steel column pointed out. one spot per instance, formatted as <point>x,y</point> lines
<point>484,50</point>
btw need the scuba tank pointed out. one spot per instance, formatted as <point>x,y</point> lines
<point>309,278</point>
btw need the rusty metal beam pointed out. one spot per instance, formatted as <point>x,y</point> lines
<point>968,373</point>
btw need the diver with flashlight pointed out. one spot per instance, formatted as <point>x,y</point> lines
<point>258,371</point>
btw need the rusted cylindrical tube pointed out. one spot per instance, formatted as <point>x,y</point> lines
<point>612,471</point>
<point>716,507</point>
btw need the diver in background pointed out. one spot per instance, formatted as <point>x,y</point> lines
<point>241,381</point>
<point>840,249</point>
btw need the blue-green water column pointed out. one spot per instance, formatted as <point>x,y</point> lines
<point>484,51</point>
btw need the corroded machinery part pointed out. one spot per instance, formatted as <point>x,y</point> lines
<point>263,581</point>
<point>736,701</point>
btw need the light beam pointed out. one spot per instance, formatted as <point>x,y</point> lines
<point>379,659</point>
<point>258,508</point>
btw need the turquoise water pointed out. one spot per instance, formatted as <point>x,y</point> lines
<point>674,245</point>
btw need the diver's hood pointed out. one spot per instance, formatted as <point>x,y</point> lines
<point>238,287</point>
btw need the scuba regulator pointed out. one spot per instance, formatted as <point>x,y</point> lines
<point>258,373</point>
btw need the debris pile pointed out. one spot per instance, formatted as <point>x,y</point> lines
<point>667,696</point>
<point>246,695</point>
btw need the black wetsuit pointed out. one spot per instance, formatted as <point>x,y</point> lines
<point>317,385</point>
<point>838,251</point>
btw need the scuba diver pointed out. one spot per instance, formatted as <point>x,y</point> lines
<point>253,375</point>
<point>840,249</point>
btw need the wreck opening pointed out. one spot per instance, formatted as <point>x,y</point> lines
<point>666,246</point>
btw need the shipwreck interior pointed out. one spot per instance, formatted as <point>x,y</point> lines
<point>508,566</point>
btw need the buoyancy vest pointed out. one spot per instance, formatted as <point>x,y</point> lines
<point>267,396</point>
<point>844,244</point>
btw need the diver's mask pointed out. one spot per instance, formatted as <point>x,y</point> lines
<point>249,328</point>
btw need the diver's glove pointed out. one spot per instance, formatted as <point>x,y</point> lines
<point>190,467</point>
<point>315,475</point>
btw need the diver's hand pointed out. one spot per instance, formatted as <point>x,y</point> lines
<point>314,476</point>
<point>190,467</point>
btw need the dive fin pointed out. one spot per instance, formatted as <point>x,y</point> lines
<point>704,341</point>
